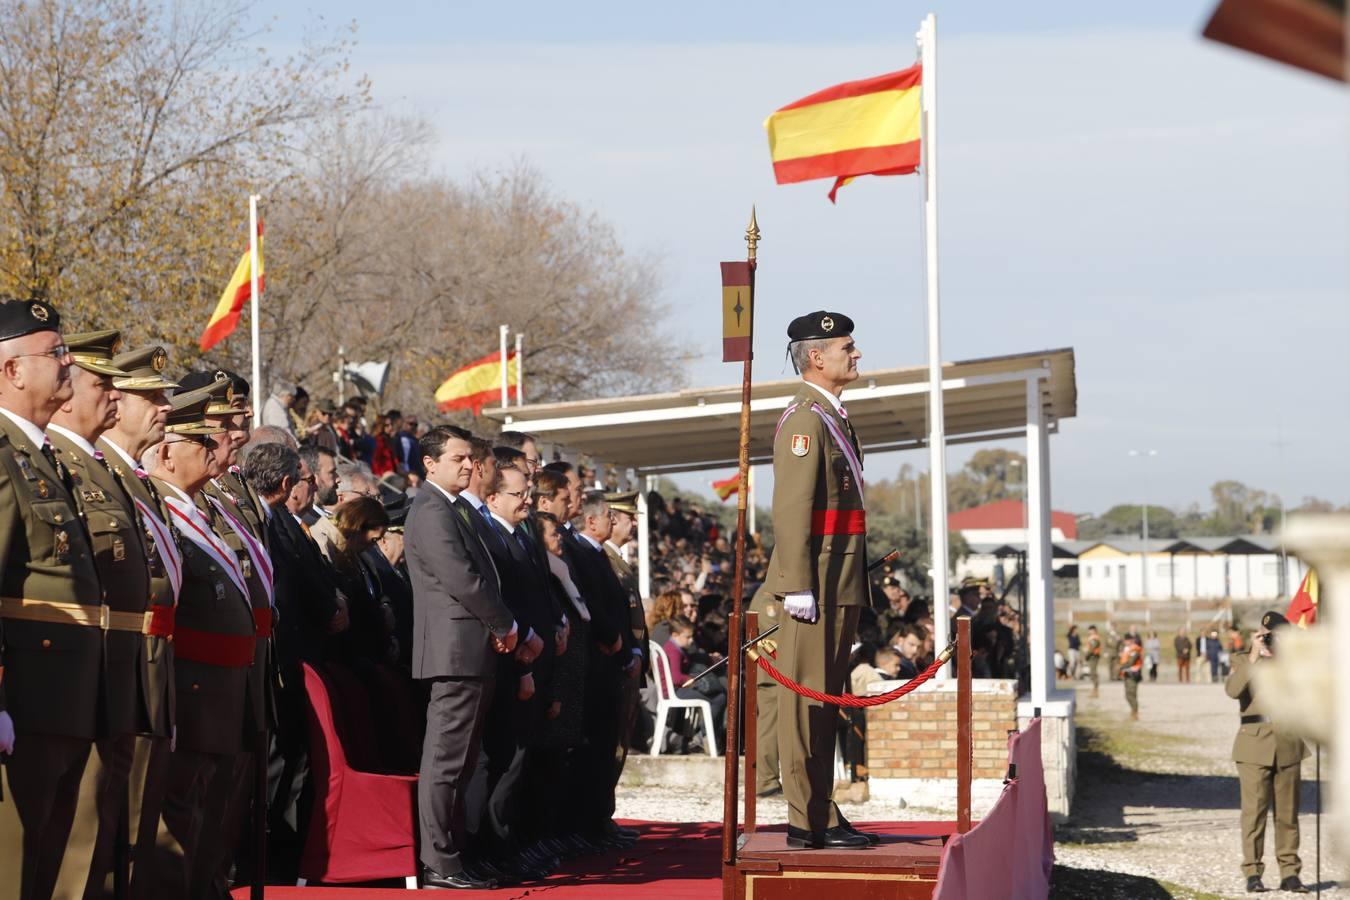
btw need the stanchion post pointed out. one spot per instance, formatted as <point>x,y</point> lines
<point>964,743</point>
<point>750,736</point>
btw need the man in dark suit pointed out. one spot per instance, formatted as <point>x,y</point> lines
<point>607,678</point>
<point>307,611</point>
<point>459,619</point>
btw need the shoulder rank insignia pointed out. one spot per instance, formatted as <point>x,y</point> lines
<point>801,444</point>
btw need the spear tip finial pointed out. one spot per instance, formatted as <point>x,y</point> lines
<point>752,233</point>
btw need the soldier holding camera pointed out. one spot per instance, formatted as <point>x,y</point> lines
<point>1268,763</point>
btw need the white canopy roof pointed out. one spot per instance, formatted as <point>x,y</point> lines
<point>689,430</point>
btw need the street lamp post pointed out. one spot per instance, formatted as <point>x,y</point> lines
<point>1143,556</point>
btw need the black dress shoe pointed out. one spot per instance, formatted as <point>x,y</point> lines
<point>460,881</point>
<point>836,838</point>
<point>1293,885</point>
<point>845,824</point>
<point>775,791</point>
<point>1254,885</point>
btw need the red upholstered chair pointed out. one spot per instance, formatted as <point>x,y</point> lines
<point>363,824</point>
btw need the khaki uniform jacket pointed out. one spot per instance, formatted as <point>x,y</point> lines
<point>637,616</point>
<point>1259,743</point>
<point>246,499</point>
<point>210,699</point>
<point>260,706</point>
<point>118,542</point>
<point>819,525</point>
<point>51,672</point>
<point>156,676</point>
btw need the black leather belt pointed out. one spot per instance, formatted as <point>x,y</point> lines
<point>1254,720</point>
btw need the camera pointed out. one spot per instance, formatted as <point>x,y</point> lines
<point>1269,639</point>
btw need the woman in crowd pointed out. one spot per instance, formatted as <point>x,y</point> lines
<point>1075,650</point>
<point>384,456</point>
<point>665,607</point>
<point>360,524</point>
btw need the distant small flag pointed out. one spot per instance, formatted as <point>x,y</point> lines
<point>737,297</point>
<point>868,127</point>
<point>237,293</point>
<point>1303,608</point>
<point>727,486</point>
<point>479,383</point>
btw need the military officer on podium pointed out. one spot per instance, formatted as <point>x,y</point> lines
<point>818,569</point>
<point>51,612</point>
<point>141,414</point>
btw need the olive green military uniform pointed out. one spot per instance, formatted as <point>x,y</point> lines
<point>51,660</point>
<point>215,644</point>
<point>148,777</point>
<point>766,701</point>
<point>1268,777</point>
<point>1094,661</point>
<point>631,689</point>
<point>820,534</point>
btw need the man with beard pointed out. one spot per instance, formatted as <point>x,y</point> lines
<point>51,609</point>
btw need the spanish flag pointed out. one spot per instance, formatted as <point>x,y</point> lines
<point>727,486</point>
<point>237,293</point>
<point>479,383</point>
<point>1303,608</point>
<point>868,127</point>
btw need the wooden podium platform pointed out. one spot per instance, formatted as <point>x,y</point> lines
<point>901,867</point>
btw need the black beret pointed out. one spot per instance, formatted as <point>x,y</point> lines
<point>1273,620</point>
<point>819,325</point>
<point>193,380</point>
<point>20,317</point>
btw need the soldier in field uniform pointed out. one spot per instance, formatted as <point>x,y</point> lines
<point>1268,763</point>
<point>818,570</point>
<point>52,614</point>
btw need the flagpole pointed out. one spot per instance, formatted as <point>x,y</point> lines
<point>257,390</point>
<point>504,330</point>
<point>520,369</point>
<point>937,439</point>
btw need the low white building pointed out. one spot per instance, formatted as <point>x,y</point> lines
<point>1238,568</point>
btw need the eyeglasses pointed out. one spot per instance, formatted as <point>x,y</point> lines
<point>58,353</point>
<point>520,494</point>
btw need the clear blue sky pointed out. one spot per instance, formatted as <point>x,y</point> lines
<point>1174,210</point>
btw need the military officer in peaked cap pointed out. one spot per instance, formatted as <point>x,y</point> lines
<point>231,411</point>
<point>214,648</point>
<point>52,616</point>
<point>119,546</point>
<point>818,569</point>
<point>142,410</point>
<point>1268,762</point>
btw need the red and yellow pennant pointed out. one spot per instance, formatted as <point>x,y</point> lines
<point>1303,607</point>
<point>479,383</point>
<point>237,293</point>
<point>727,486</point>
<point>737,312</point>
<point>868,127</point>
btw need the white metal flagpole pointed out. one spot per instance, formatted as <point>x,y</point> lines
<point>937,439</point>
<point>504,330</point>
<point>257,387</point>
<point>520,369</point>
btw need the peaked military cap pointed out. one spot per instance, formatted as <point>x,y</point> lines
<point>144,368</point>
<point>94,351</point>
<point>625,502</point>
<point>221,387</point>
<point>188,412</point>
<point>20,317</point>
<point>818,326</point>
<point>1273,620</point>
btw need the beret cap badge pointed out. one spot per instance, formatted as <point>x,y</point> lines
<point>39,312</point>
<point>827,324</point>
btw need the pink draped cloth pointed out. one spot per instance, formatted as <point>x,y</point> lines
<point>1010,853</point>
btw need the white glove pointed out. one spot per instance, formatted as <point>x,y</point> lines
<point>6,733</point>
<point>801,605</point>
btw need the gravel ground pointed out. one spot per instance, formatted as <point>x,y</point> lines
<point>1156,814</point>
<point>1158,799</point>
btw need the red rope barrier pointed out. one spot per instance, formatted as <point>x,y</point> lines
<point>850,700</point>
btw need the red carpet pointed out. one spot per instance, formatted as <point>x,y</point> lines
<point>671,861</point>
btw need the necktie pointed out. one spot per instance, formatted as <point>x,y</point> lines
<point>521,540</point>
